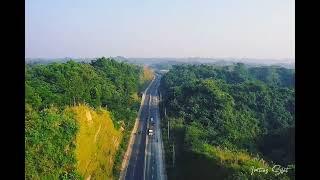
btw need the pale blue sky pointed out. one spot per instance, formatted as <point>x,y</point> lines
<point>160,28</point>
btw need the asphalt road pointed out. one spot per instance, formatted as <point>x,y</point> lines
<point>146,160</point>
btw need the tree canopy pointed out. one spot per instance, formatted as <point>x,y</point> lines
<point>51,130</point>
<point>233,107</point>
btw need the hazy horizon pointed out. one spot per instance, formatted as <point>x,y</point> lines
<point>183,59</point>
<point>161,29</point>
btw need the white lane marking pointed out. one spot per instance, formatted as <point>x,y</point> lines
<point>133,169</point>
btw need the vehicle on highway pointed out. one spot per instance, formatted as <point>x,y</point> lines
<point>152,121</point>
<point>150,132</point>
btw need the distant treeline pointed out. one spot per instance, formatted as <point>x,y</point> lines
<point>51,88</point>
<point>224,121</point>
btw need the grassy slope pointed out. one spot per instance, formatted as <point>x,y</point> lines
<point>147,74</point>
<point>146,77</point>
<point>61,144</point>
<point>96,142</point>
<point>212,162</point>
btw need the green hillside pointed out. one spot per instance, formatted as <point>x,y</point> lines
<point>226,121</point>
<point>60,98</point>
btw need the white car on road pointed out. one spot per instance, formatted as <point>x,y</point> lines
<point>150,132</point>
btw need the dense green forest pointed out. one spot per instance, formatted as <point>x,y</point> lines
<point>50,131</point>
<point>226,121</point>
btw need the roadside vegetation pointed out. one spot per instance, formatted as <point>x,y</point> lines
<point>226,121</point>
<point>146,77</point>
<point>69,106</point>
<point>97,142</point>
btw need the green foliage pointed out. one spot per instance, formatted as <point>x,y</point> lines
<point>277,76</point>
<point>49,144</point>
<point>232,107</point>
<point>50,88</point>
<point>104,82</point>
<point>279,145</point>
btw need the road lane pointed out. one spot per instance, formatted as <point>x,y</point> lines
<point>134,169</point>
<point>155,159</point>
<point>146,160</point>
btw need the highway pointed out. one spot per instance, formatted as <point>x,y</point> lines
<point>146,161</point>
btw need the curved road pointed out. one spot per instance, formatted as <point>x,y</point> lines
<point>147,160</point>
